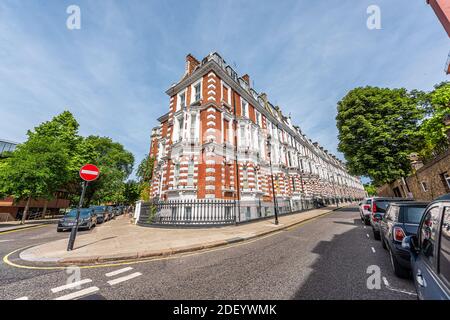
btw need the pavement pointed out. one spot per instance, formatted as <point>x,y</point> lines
<point>329,258</point>
<point>121,240</point>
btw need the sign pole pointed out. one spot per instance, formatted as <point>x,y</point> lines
<point>73,232</point>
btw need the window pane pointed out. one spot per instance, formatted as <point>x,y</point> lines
<point>444,254</point>
<point>428,234</point>
<point>413,214</point>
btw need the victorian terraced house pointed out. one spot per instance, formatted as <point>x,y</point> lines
<point>215,142</point>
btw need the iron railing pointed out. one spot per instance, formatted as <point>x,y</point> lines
<point>203,212</point>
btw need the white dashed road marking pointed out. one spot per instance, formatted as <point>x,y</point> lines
<point>386,283</point>
<point>373,249</point>
<point>115,273</point>
<point>71,285</point>
<point>125,278</point>
<point>367,235</point>
<point>22,298</point>
<point>78,294</point>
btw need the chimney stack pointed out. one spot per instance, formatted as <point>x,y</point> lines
<point>191,64</point>
<point>246,78</point>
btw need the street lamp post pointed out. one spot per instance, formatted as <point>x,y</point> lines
<point>269,149</point>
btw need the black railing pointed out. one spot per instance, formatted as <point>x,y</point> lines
<point>188,212</point>
<point>204,212</point>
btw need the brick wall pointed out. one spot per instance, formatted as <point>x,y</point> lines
<point>431,174</point>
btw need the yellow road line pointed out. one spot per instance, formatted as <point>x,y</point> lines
<point>24,229</point>
<point>176,256</point>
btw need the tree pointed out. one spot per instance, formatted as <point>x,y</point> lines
<point>145,169</point>
<point>131,192</point>
<point>378,130</point>
<point>370,189</point>
<point>145,176</point>
<point>36,169</point>
<point>115,164</point>
<point>433,128</point>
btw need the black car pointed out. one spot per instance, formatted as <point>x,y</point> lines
<point>119,210</point>
<point>111,212</point>
<point>378,209</point>
<point>87,220</point>
<point>101,212</point>
<point>401,219</point>
<point>430,252</point>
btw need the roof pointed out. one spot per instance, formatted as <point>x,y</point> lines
<point>443,198</point>
<point>411,203</point>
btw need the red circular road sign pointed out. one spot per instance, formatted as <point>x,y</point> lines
<point>89,172</point>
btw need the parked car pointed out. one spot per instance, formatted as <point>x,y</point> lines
<point>401,219</point>
<point>87,220</point>
<point>111,212</point>
<point>101,212</point>
<point>430,252</point>
<point>119,210</point>
<point>364,212</point>
<point>377,211</point>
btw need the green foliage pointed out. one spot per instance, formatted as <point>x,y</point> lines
<point>115,164</point>
<point>35,169</point>
<point>151,213</point>
<point>378,129</point>
<point>131,192</point>
<point>145,169</point>
<point>145,175</point>
<point>433,128</point>
<point>51,158</point>
<point>370,189</point>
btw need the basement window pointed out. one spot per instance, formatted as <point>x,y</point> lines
<point>424,186</point>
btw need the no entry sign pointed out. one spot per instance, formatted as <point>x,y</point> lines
<point>89,172</point>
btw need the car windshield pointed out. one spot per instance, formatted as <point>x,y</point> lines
<point>83,213</point>
<point>382,205</point>
<point>413,214</point>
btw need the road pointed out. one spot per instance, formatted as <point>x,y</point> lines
<point>325,258</point>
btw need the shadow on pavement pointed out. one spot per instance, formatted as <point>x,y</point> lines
<point>88,244</point>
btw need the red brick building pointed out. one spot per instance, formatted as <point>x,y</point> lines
<point>212,144</point>
<point>442,10</point>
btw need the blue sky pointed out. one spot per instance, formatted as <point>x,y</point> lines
<point>113,72</point>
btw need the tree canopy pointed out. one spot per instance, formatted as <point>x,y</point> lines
<point>51,158</point>
<point>378,130</point>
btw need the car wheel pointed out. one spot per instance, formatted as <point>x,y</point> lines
<point>383,244</point>
<point>376,235</point>
<point>59,230</point>
<point>367,222</point>
<point>397,268</point>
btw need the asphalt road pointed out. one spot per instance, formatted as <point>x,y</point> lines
<point>325,258</point>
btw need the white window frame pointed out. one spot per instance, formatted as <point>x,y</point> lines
<point>228,100</point>
<point>424,186</point>
<point>179,99</point>
<point>199,82</point>
<point>245,111</point>
<point>447,179</point>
